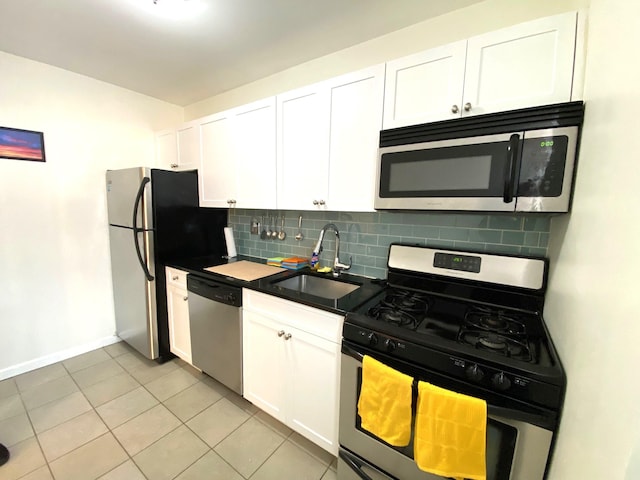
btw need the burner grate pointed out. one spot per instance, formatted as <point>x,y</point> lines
<point>495,320</point>
<point>508,346</point>
<point>402,308</point>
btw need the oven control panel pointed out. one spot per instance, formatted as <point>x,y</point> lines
<point>470,371</point>
<point>467,263</point>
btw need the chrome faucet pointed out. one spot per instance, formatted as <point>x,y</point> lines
<point>337,266</point>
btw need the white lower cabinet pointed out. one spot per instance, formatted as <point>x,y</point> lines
<point>178,314</point>
<point>291,365</point>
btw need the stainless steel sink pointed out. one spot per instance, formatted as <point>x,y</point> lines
<point>318,286</point>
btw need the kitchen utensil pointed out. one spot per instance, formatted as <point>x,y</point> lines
<point>269,231</point>
<point>299,235</point>
<point>274,233</point>
<point>282,235</point>
<point>263,234</point>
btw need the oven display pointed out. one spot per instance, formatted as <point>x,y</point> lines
<point>465,263</point>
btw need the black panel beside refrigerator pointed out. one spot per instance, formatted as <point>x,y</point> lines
<point>161,209</point>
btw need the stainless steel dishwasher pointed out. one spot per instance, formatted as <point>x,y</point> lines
<point>215,319</point>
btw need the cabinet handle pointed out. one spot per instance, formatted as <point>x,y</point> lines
<point>175,277</point>
<point>315,202</point>
<point>185,298</point>
<point>467,107</point>
<point>287,336</point>
<point>174,165</point>
<point>455,109</point>
<point>321,202</point>
<point>281,333</point>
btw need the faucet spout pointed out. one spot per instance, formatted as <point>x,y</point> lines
<point>337,265</point>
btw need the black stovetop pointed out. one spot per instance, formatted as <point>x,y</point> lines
<point>500,348</point>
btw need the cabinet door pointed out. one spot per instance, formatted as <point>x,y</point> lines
<point>302,145</point>
<point>166,149</point>
<point>263,367</point>
<point>314,372</point>
<point>188,136</point>
<point>521,66</point>
<point>355,123</point>
<point>425,87</point>
<point>254,129</point>
<point>217,168</point>
<point>179,331</point>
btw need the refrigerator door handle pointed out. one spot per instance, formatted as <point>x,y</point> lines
<point>137,230</point>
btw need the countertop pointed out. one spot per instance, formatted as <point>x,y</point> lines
<point>369,287</point>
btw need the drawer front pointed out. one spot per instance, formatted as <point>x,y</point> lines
<point>312,320</point>
<point>176,277</point>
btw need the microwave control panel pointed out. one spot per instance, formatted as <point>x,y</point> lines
<point>542,166</point>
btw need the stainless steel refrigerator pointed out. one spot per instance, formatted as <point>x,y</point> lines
<point>154,218</point>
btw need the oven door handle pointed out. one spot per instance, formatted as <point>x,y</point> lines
<point>352,353</point>
<point>521,416</point>
<point>354,464</point>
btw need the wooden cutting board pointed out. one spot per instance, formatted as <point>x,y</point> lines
<point>245,270</point>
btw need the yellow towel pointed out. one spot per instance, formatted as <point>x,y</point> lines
<point>385,402</point>
<point>451,433</point>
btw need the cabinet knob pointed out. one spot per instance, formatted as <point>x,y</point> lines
<point>231,202</point>
<point>321,202</point>
<point>455,109</point>
<point>174,165</point>
<point>287,336</point>
<point>175,277</point>
<point>281,333</point>
<point>185,298</point>
<point>315,202</point>
<point>467,107</point>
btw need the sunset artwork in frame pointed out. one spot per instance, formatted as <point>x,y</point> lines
<point>16,144</point>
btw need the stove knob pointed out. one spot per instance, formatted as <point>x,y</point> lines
<point>500,381</point>
<point>390,345</point>
<point>475,373</point>
<point>373,339</point>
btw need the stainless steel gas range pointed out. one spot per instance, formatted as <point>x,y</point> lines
<point>468,322</point>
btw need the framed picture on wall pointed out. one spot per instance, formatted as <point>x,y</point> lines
<point>16,144</point>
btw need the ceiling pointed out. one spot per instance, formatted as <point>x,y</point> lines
<point>183,60</point>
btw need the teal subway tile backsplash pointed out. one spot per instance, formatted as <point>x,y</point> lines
<point>366,236</point>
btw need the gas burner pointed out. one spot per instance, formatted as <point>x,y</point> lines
<point>517,348</point>
<point>496,321</point>
<point>412,302</point>
<point>385,313</point>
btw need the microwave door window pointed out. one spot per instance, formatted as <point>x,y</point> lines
<point>456,171</point>
<point>465,173</point>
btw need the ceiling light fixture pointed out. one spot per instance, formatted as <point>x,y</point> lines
<point>176,9</point>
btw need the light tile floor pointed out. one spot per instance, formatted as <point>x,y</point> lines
<point>111,414</point>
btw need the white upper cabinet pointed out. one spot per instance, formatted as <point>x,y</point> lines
<point>254,128</point>
<point>522,66</point>
<point>425,87</point>
<point>303,148</point>
<point>328,141</point>
<point>178,149</point>
<point>217,162</point>
<point>355,121</point>
<point>188,138</point>
<point>166,149</point>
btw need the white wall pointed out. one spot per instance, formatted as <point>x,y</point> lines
<point>476,19</point>
<point>55,277</point>
<point>593,304</point>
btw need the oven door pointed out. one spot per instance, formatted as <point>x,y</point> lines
<point>518,439</point>
<point>461,174</point>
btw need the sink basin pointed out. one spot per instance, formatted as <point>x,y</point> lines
<point>318,286</point>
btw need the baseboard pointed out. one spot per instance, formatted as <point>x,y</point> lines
<point>56,357</point>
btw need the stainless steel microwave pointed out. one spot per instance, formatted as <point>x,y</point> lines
<point>517,161</point>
